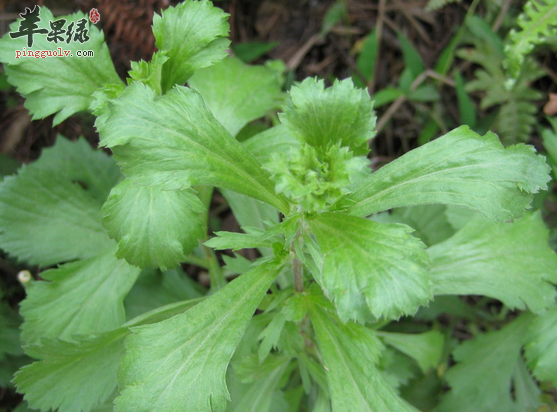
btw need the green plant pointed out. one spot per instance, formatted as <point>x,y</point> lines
<point>118,322</point>
<point>508,71</point>
<point>538,20</point>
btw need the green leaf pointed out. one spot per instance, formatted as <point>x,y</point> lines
<point>412,59</point>
<point>536,22</point>
<point>466,108</point>
<point>249,51</point>
<point>336,13</point>
<point>511,262</point>
<point>446,57</point>
<point>386,96</point>
<point>550,144</point>
<point>458,216</point>
<point>81,297</point>
<point>62,85</point>
<point>84,369</point>
<point>273,140</point>
<point>349,355</point>
<point>446,304</point>
<point>251,212</point>
<point>171,231</point>
<point>483,32</point>
<point>237,93</point>
<point>157,374</point>
<point>57,199</point>
<point>550,139</point>
<point>316,179</point>
<point>320,117</point>
<point>397,368</point>
<point>236,265</point>
<point>174,142</point>
<point>23,407</point>
<point>429,222</point>
<point>149,73</point>
<point>425,348</point>
<point>258,395</point>
<point>526,390</point>
<point>61,215</point>
<point>92,169</point>
<point>481,381</point>
<point>367,59</point>
<point>8,165</point>
<point>541,346</point>
<point>424,93</point>
<point>460,168</point>
<point>365,263</point>
<point>429,131</point>
<point>237,241</point>
<point>193,36</point>
<point>517,115</point>
<point>154,289</point>
<point>9,331</point>
<point>270,336</point>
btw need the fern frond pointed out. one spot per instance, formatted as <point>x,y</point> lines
<point>516,115</point>
<point>515,121</point>
<point>538,20</point>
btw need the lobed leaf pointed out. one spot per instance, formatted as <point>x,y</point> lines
<point>260,394</point>
<point>84,368</point>
<point>368,264</point>
<point>153,227</point>
<point>193,36</point>
<point>429,221</point>
<point>45,218</point>
<point>538,20</point>
<point>274,140</point>
<point>349,356</point>
<point>237,93</point>
<point>157,374</point>
<point>320,117</point>
<point>173,141</point>
<point>541,346</point>
<point>425,348</point>
<point>76,160</point>
<point>149,73</point>
<point>480,381</point>
<point>460,168</point>
<point>49,212</point>
<point>154,289</point>
<point>61,85</point>
<point>81,297</point>
<point>84,371</point>
<point>511,262</point>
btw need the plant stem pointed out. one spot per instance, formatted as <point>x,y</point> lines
<point>215,272</point>
<point>298,275</point>
<point>197,261</point>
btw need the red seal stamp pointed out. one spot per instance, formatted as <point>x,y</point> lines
<point>94,16</point>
